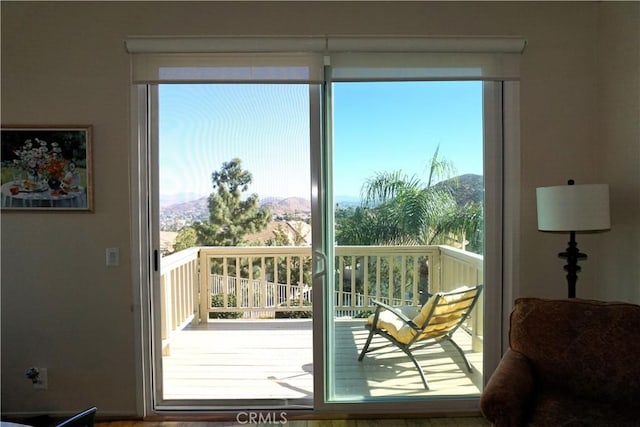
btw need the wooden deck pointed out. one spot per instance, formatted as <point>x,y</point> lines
<point>272,359</point>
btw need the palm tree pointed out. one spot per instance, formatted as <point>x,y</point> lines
<point>402,209</point>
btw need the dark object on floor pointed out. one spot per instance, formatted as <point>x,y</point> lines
<point>83,419</point>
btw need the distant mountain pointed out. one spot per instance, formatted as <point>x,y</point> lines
<point>184,211</point>
<point>200,205</point>
<point>289,205</point>
<point>470,188</point>
<point>174,199</point>
<point>175,216</point>
<point>277,205</point>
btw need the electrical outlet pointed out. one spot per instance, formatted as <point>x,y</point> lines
<point>43,380</point>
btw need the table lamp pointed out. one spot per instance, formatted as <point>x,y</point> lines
<point>573,208</point>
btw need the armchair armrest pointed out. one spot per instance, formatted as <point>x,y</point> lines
<point>506,400</point>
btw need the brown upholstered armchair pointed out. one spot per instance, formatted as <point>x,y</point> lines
<point>570,363</point>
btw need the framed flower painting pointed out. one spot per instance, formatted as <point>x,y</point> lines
<point>46,168</point>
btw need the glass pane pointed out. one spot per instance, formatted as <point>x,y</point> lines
<point>234,188</point>
<point>408,224</point>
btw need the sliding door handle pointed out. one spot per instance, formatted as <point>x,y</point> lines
<point>156,260</point>
<point>321,264</point>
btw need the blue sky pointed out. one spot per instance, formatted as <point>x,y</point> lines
<point>380,126</point>
<point>398,126</point>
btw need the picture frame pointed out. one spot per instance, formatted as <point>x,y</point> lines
<point>46,168</point>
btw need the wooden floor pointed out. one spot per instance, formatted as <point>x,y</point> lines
<point>418,422</point>
<point>272,359</point>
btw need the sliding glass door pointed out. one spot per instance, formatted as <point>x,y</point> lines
<point>233,192</point>
<point>408,206</point>
<point>234,181</point>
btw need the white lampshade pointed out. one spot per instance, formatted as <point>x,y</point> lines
<point>573,208</point>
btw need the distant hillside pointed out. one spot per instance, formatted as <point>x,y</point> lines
<point>174,199</point>
<point>198,207</point>
<point>290,205</point>
<point>278,206</point>
<point>176,216</point>
<point>470,188</point>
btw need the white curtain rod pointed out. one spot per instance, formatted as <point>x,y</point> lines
<point>324,44</point>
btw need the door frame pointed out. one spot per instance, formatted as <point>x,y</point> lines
<point>506,205</point>
<point>140,249</point>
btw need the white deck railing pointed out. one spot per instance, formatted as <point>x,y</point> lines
<point>178,292</point>
<point>262,282</point>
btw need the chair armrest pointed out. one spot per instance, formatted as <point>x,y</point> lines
<point>396,312</point>
<point>507,397</point>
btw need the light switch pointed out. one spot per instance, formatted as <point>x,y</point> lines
<point>113,257</point>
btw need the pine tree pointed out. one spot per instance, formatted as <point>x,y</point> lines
<point>231,217</point>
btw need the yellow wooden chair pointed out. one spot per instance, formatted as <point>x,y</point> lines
<point>410,328</point>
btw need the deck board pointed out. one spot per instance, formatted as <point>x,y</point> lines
<point>272,359</point>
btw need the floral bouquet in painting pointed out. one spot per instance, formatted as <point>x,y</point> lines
<point>42,162</point>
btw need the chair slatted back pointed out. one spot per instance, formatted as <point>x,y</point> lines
<point>445,312</point>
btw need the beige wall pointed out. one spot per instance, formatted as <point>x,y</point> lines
<point>64,63</point>
<point>619,150</point>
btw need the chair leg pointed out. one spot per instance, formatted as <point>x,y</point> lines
<point>366,345</point>
<point>420,371</point>
<point>407,352</point>
<point>464,357</point>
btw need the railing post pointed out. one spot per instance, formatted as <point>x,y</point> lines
<point>435,272</point>
<point>289,293</point>
<point>390,278</point>
<point>250,284</point>
<point>205,298</point>
<point>175,300</point>
<point>365,280</point>
<point>165,313</point>
<point>478,317</point>
<point>478,325</point>
<point>263,282</point>
<point>195,290</point>
<point>340,287</point>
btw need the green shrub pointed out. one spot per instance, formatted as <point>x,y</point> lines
<point>217,300</point>
<point>289,314</point>
<point>363,314</point>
